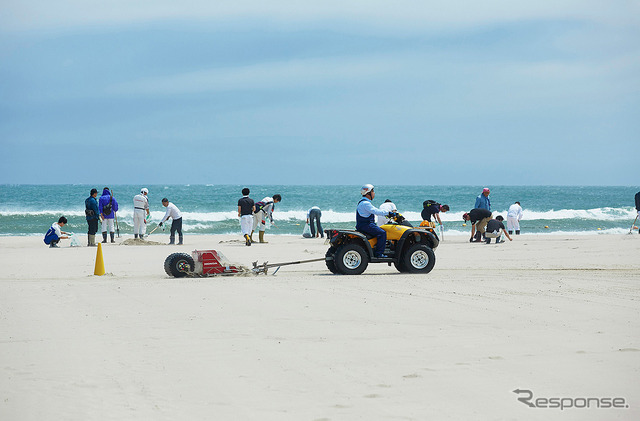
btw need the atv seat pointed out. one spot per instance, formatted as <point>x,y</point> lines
<point>366,234</point>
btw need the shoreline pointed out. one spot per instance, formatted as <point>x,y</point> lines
<point>453,233</point>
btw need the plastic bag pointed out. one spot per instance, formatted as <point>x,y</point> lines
<point>74,241</point>
<point>306,232</point>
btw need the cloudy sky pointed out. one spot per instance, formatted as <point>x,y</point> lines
<point>331,92</point>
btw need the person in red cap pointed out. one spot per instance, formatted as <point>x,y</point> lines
<point>482,201</point>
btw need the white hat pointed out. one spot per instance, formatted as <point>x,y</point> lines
<point>144,190</point>
<point>366,189</point>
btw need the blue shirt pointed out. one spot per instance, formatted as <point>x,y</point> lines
<point>483,202</point>
<point>366,209</point>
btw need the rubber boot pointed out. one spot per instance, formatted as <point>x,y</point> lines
<point>135,236</point>
<point>517,232</point>
<point>248,240</point>
<point>113,237</point>
<point>88,240</point>
<point>261,237</point>
<point>142,236</point>
<point>478,237</point>
<point>251,237</point>
<point>92,240</point>
<point>511,232</point>
<point>179,239</point>
<point>172,239</point>
<point>104,237</point>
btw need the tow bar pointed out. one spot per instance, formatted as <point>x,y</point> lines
<point>264,267</point>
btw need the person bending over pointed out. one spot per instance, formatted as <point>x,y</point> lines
<point>479,219</point>
<point>176,224</point>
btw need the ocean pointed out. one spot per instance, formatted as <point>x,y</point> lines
<point>212,209</point>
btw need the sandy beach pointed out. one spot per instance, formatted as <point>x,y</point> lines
<point>557,316</point>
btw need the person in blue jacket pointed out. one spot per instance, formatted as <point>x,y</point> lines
<point>92,212</point>
<point>482,201</point>
<point>108,207</point>
<point>366,220</point>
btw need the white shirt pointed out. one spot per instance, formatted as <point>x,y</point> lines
<point>140,201</point>
<point>515,211</point>
<point>386,207</point>
<point>268,209</point>
<point>57,229</point>
<point>172,212</point>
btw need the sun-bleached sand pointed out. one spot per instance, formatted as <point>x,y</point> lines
<point>558,316</point>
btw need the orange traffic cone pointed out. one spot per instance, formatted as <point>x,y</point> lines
<point>99,270</point>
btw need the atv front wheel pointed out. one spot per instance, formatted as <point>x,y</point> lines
<point>351,259</point>
<point>179,265</point>
<point>418,259</point>
<point>400,266</point>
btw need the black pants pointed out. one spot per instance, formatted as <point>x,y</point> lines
<point>176,225</point>
<point>93,226</point>
<point>314,215</point>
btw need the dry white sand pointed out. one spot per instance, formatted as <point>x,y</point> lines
<point>554,315</point>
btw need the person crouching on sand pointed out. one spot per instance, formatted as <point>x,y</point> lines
<point>495,229</point>
<point>54,234</point>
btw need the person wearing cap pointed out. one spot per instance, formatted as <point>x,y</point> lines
<point>92,213</point>
<point>365,219</point>
<point>140,212</point>
<point>479,219</point>
<point>482,201</point>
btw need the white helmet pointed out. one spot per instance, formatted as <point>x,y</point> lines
<point>144,191</point>
<point>366,189</point>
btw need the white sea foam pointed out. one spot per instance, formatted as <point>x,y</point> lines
<point>331,216</point>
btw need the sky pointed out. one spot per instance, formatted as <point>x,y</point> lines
<point>332,92</point>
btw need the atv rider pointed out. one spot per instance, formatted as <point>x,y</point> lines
<point>366,221</point>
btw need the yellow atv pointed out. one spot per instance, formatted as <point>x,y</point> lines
<point>409,249</point>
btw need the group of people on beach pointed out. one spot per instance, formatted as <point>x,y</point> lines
<point>484,227</point>
<point>105,210</point>
<point>254,215</point>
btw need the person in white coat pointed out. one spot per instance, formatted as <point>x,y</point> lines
<point>388,206</point>
<point>514,215</point>
<point>140,213</point>
<point>176,225</point>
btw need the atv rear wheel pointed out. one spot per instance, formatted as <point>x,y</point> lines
<point>179,265</point>
<point>418,259</point>
<point>351,259</point>
<point>331,264</point>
